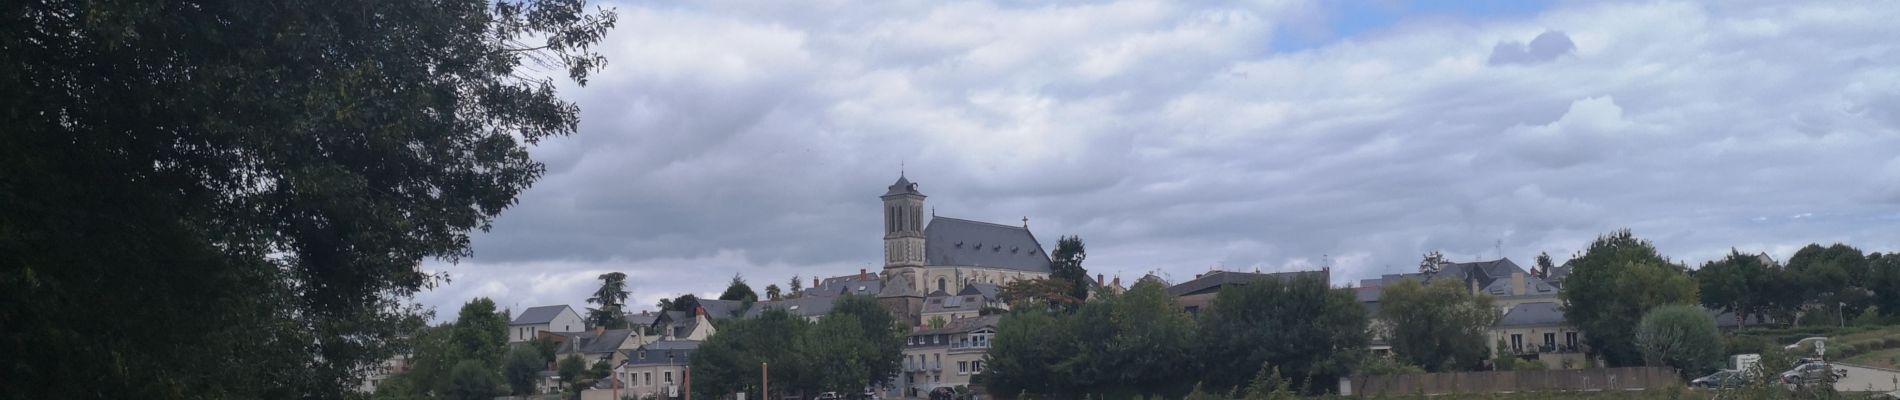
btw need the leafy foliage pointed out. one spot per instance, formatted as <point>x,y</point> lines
<point>1612,284</point>
<point>610,301</point>
<point>1739,284</point>
<point>1832,277</point>
<point>571,369</point>
<point>1884,281</point>
<point>470,380</point>
<point>773,293</point>
<point>260,180</point>
<point>1440,327</point>
<point>856,345</point>
<point>1142,343</point>
<point>1303,326</point>
<point>1543,266</point>
<point>1044,293</point>
<point>738,290</point>
<point>520,367</point>
<point>1680,336</point>
<point>1432,262</point>
<point>1269,385</point>
<point>1065,264</point>
<point>686,302</point>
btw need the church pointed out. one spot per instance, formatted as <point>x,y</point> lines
<point>943,255</point>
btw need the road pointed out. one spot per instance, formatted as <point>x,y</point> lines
<point>1865,379</point>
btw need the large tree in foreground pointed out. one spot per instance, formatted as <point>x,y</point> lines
<point>1441,326</point>
<point>1612,284</point>
<point>1303,326</point>
<point>610,302</point>
<point>259,180</point>
<point>1680,336</point>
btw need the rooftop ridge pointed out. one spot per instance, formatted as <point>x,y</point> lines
<point>980,222</point>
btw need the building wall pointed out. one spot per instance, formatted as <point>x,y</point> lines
<point>1534,345</point>
<point>942,363</point>
<point>566,321</point>
<point>954,277</point>
<point>643,380</point>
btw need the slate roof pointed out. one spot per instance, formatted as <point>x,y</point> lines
<point>723,309</point>
<point>969,299</point>
<point>902,186</point>
<point>657,353</point>
<point>643,318</point>
<point>1533,314</point>
<point>962,242</point>
<point>867,284</point>
<point>1214,280</point>
<point>806,306</point>
<point>589,343</point>
<point>538,315</point>
<point>986,290</point>
<point>961,325</point>
<point>1493,277</point>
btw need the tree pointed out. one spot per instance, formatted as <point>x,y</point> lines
<point>797,286</point>
<point>883,335</point>
<point>1680,336</point>
<point>936,322</point>
<point>1440,327</point>
<point>571,368</point>
<point>1065,264</point>
<point>686,302</point>
<point>1301,325</point>
<point>1832,276</point>
<point>830,358</point>
<point>1027,344</point>
<point>480,333</point>
<point>261,181</point>
<point>772,293</point>
<point>1269,385</point>
<point>520,367</point>
<point>1884,281</point>
<point>1432,262</point>
<point>546,346</point>
<point>1048,293</point>
<point>611,300</point>
<point>1612,284</point>
<point>1736,284</point>
<point>729,362</point>
<point>1543,267</point>
<point>469,380</point>
<point>738,290</point>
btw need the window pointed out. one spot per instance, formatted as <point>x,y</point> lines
<point>669,377</point>
<point>940,286</point>
<point>976,366</point>
<point>1570,339</point>
<point>643,354</point>
<point>1550,339</point>
<point>649,378</point>
<point>939,361</point>
<point>963,367</point>
<point>1517,342</point>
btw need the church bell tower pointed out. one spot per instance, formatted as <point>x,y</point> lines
<point>903,225</point>
<point>904,258</point>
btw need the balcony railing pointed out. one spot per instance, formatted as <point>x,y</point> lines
<point>1553,348</point>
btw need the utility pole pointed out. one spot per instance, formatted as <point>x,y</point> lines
<point>765,381</point>
<point>689,382</point>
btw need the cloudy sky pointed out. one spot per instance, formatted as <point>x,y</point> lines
<point>1177,136</point>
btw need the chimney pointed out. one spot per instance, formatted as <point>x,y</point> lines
<point>1517,283</point>
<point>699,311</point>
<point>814,282</point>
<point>1197,276</point>
<point>1118,281</point>
<point>863,275</point>
<point>600,330</point>
<point>1098,279</point>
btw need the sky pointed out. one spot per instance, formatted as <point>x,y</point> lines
<point>1175,137</point>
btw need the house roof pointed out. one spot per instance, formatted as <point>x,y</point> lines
<point>968,299</point>
<point>722,309</point>
<point>961,325</point>
<point>1533,314</point>
<point>867,284</point>
<point>807,306</point>
<point>681,352</point>
<point>538,315</point>
<point>986,290</point>
<point>962,242</point>
<point>1492,277</point>
<point>1214,280</point>
<point>643,318</point>
<point>589,343</point>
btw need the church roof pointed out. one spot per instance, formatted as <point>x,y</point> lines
<point>903,186</point>
<point>962,242</point>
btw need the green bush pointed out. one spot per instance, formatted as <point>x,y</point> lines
<point>1680,336</point>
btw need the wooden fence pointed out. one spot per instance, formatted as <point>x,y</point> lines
<point>1595,379</point>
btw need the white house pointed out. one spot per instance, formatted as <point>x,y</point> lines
<point>534,320</point>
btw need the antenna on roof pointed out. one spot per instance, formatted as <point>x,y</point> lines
<point>1500,247</point>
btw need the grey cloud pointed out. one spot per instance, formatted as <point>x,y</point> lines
<point>1546,47</point>
<point>731,138</point>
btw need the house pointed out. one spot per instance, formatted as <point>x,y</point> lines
<point>678,325</point>
<point>533,321</point>
<point>1538,332</point>
<point>657,369</point>
<point>809,307</point>
<point>1507,283</point>
<point>967,303</point>
<point>1198,294</point>
<point>945,357</point>
<point>595,346</point>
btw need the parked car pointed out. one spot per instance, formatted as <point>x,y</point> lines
<point>943,393</point>
<point>828,396</point>
<point>1721,380</point>
<point>1810,373</point>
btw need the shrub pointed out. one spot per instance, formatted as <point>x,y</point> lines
<point>1680,336</point>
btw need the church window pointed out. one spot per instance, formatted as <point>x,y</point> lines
<point>940,284</point>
